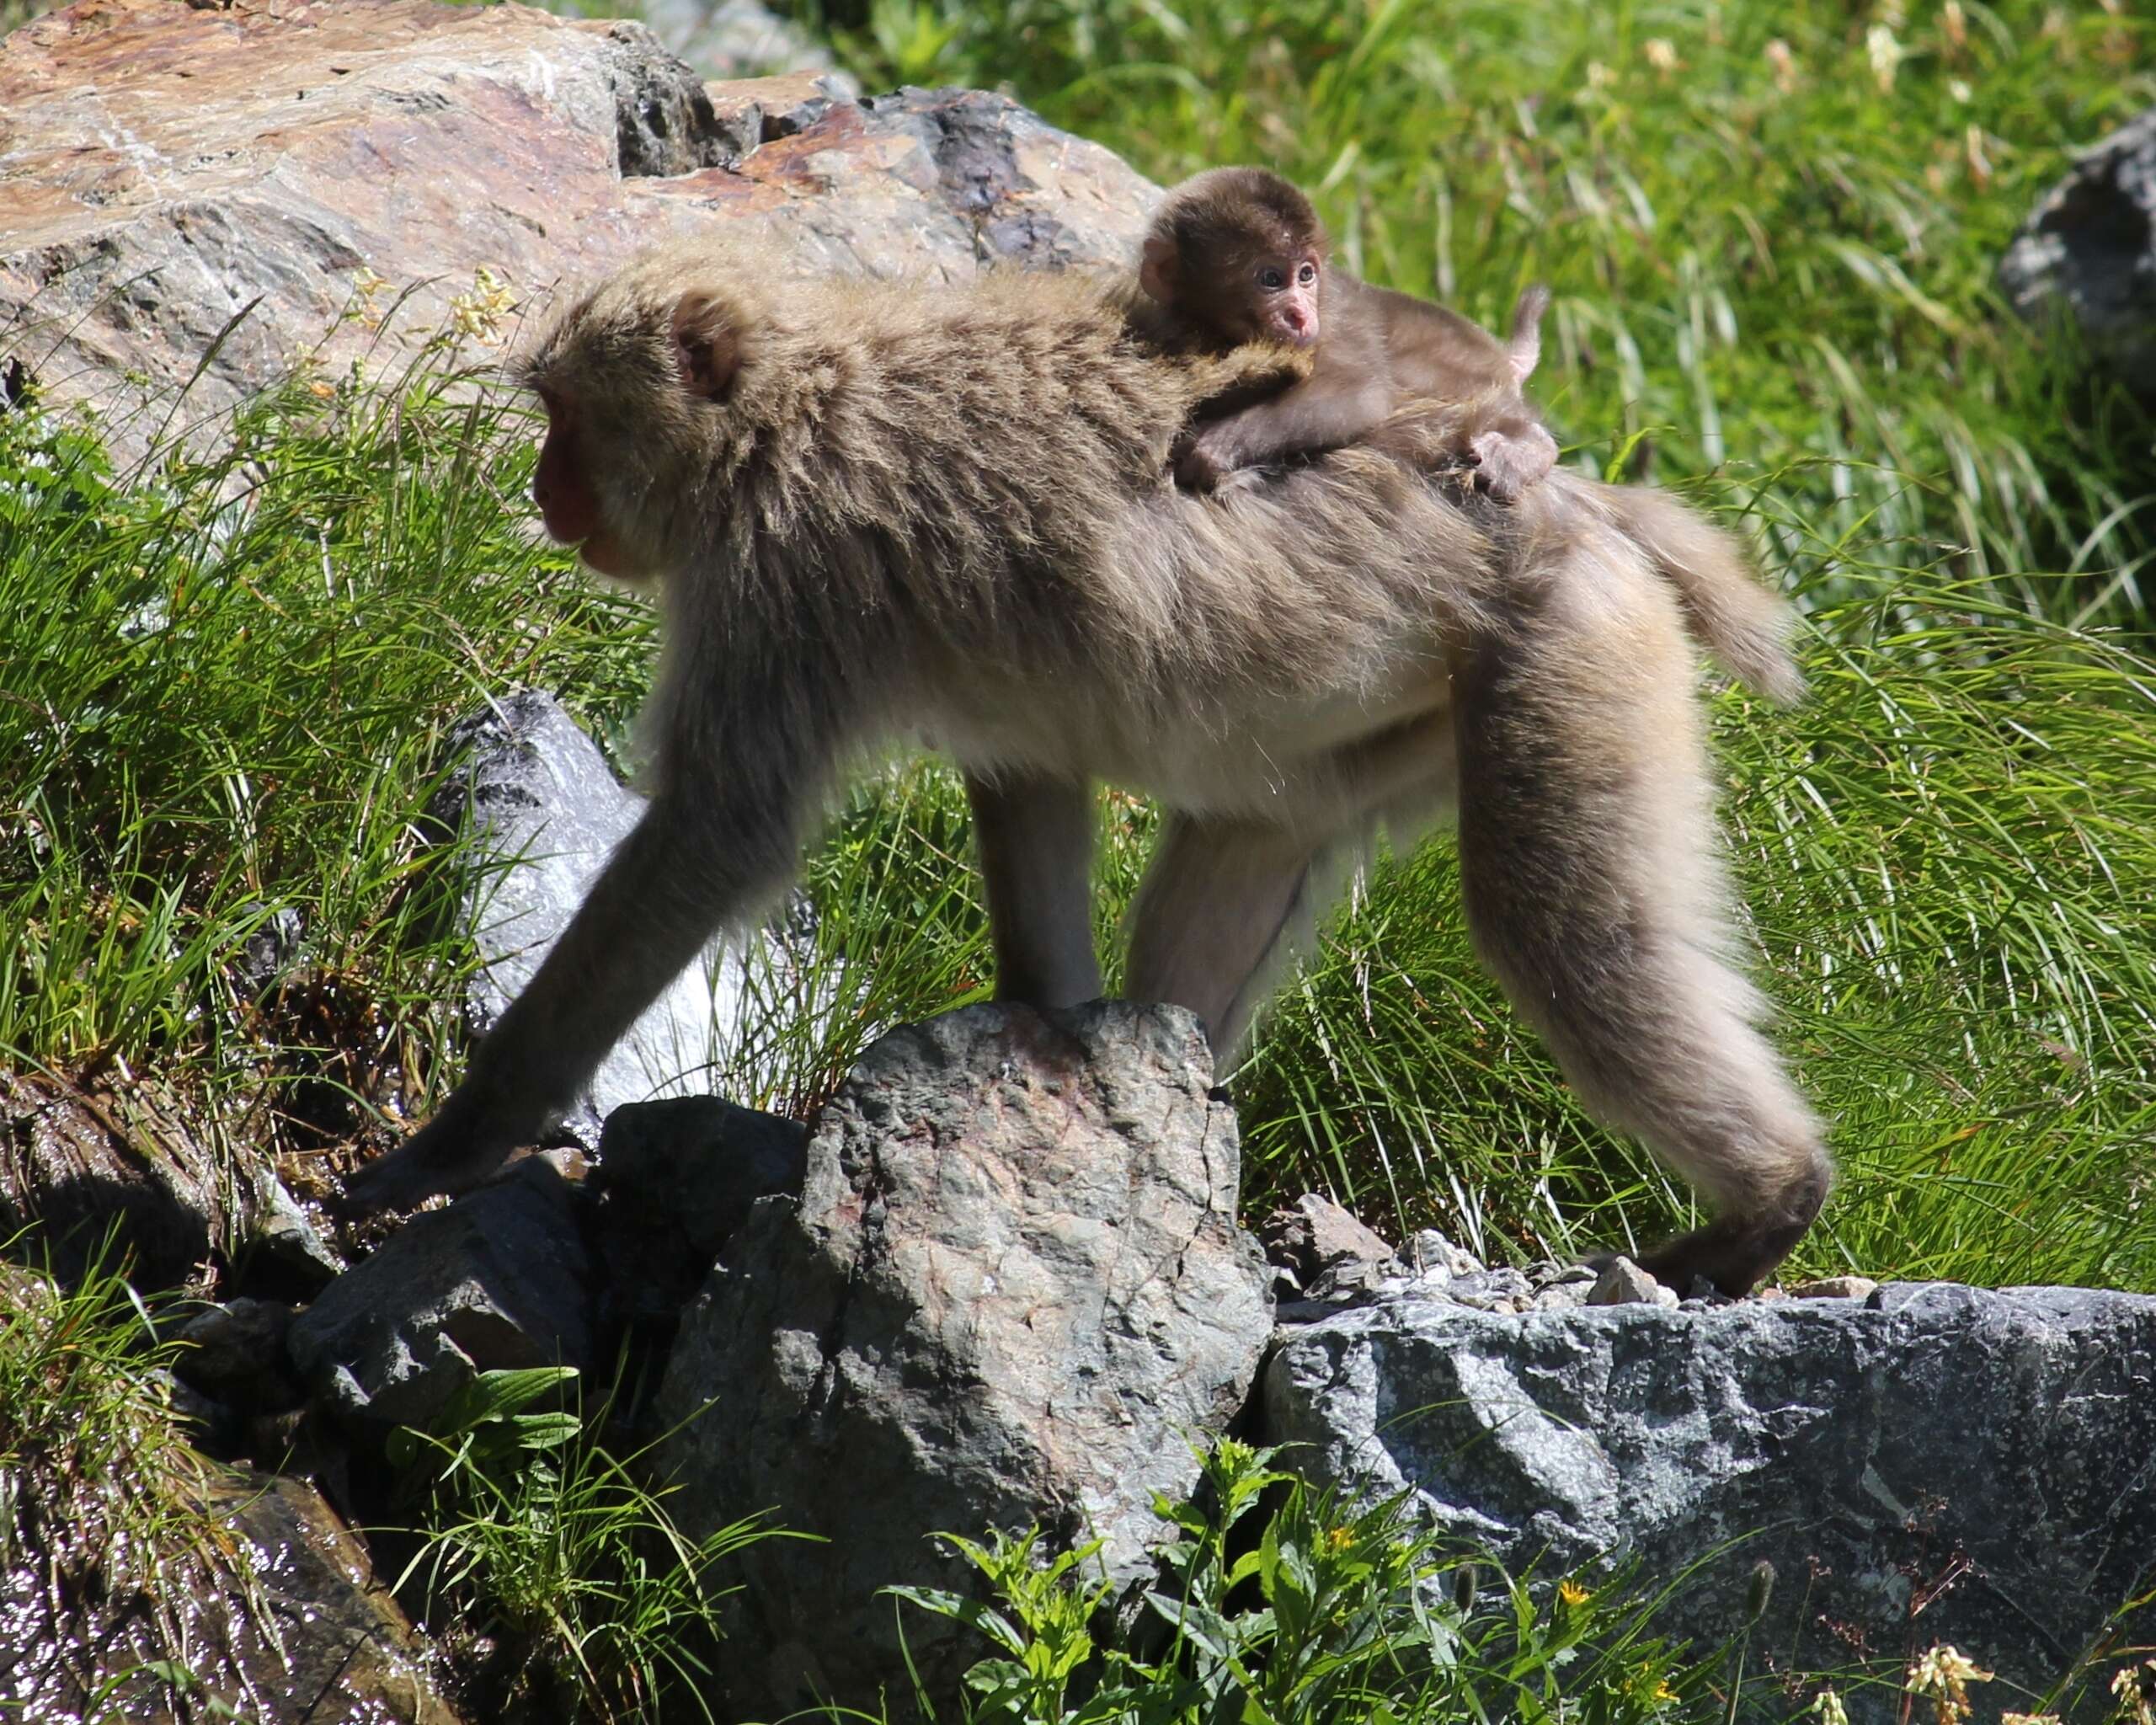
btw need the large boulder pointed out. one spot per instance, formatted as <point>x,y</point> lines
<point>1011,1293</point>
<point>1932,1464</point>
<point>164,169</point>
<point>2089,250</point>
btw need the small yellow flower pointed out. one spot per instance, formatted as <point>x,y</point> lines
<point>1339,1538</point>
<point>1944,1673</point>
<point>1572,1592</point>
<point>1661,55</point>
<point>479,313</point>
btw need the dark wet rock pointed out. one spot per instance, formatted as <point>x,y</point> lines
<point>544,811</point>
<point>236,1351</point>
<point>1990,1457</point>
<point>2088,251</point>
<point>499,1280</point>
<point>1013,1291</point>
<point>80,1167</point>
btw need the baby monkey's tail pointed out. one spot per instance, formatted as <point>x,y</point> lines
<point>1524,348</point>
<point>1729,610</point>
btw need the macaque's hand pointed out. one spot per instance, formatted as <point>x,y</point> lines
<point>1207,459</point>
<point>457,1149</point>
<point>1507,462</point>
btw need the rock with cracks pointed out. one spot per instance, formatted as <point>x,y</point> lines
<point>192,194</point>
<point>1011,1293</point>
<point>1934,1464</point>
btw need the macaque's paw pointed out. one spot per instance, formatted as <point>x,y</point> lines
<point>1507,462</point>
<point>448,1154</point>
<point>1198,469</point>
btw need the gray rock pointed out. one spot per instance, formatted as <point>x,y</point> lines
<point>286,1240</point>
<point>2087,249</point>
<point>1623,1283</point>
<point>1430,1253</point>
<point>675,1180</point>
<point>498,1279</point>
<point>1318,1246</point>
<point>544,812</point>
<point>1500,1290</point>
<point>1011,1292</point>
<point>1991,1454</point>
<point>1835,1287</point>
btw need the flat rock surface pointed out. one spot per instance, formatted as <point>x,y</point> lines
<point>164,168</point>
<point>1934,1464</point>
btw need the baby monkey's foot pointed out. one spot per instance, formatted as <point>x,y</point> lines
<point>1506,462</point>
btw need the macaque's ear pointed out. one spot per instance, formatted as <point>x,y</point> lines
<point>707,344</point>
<point>1156,269</point>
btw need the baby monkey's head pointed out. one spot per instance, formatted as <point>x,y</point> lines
<point>1239,253</point>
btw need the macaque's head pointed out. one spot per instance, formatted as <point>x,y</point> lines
<point>633,379</point>
<point>1239,252</point>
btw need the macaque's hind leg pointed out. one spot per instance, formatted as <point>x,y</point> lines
<point>1594,891</point>
<point>1222,903</point>
<point>1035,842</point>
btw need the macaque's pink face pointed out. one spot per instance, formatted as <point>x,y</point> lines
<point>1283,298</point>
<point>569,503</point>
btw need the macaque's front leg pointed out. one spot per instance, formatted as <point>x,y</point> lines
<point>671,884</point>
<point>1313,417</point>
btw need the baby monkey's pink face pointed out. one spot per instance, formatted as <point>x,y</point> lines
<point>1283,298</point>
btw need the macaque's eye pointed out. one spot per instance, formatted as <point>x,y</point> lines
<point>1307,274</point>
<point>1270,278</point>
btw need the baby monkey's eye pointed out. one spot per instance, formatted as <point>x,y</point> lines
<point>1270,276</point>
<point>1307,274</point>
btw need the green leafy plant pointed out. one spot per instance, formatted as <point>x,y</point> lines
<point>534,1530</point>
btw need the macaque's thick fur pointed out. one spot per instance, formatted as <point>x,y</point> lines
<point>948,510</point>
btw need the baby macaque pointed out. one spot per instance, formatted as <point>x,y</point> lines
<point>1238,255</point>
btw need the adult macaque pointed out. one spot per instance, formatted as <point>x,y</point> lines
<point>874,511</point>
<point>1238,255</point>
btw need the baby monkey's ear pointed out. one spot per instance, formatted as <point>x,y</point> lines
<point>1156,269</point>
<point>706,344</point>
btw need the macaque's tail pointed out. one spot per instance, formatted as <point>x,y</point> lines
<point>1728,610</point>
<point>1525,345</point>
